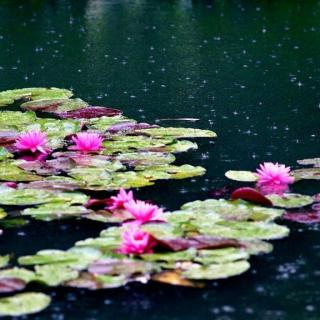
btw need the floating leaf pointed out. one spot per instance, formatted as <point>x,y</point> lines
<point>7,137</point>
<point>9,171</point>
<point>290,200</point>
<point>242,176</point>
<point>303,217</point>
<point>178,133</point>
<point>24,303</point>
<point>307,173</point>
<point>24,197</point>
<point>54,105</point>
<point>11,284</point>
<point>199,242</point>
<point>8,97</point>
<point>54,211</point>
<point>251,195</point>
<point>215,271</point>
<point>4,260</point>
<point>315,162</point>
<point>175,278</point>
<point>90,112</point>
<point>104,123</point>
<point>231,210</point>
<point>54,274</point>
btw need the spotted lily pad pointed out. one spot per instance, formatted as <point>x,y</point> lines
<point>10,171</point>
<point>24,303</point>
<point>290,200</point>
<point>242,176</point>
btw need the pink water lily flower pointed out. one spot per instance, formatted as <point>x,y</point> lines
<point>274,174</point>
<point>34,141</point>
<point>117,202</point>
<point>136,241</point>
<point>87,142</point>
<point>143,211</point>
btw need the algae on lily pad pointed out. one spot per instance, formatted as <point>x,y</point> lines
<point>24,303</point>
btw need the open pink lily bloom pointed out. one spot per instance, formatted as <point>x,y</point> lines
<point>34,141</point>
<point>274,174</point>
<point>117,202</point>
<point>136,241</point>
<point>143,211</point>
<point>87,142</point>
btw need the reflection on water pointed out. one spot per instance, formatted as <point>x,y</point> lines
<point>247,69</point>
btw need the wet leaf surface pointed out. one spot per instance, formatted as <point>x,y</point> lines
<point>24,303</point>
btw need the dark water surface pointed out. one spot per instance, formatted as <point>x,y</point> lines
<point>248,69</point>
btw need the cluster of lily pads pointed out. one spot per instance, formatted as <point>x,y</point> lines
<point>203,240</point>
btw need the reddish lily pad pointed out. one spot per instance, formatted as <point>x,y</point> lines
<point>11,284</point>
<point>252,195</point>
<point>90,112</point>
<point>198,242</point>
<point>303,217</point>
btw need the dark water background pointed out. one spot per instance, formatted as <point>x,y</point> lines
<point>248,69</point>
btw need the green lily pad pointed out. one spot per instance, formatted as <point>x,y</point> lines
<point>171,172</point>
<point>55,105</point>
<point>54,274</point>
<point>306,173</point>
<point>229,210</point>
<point>9,171</point>
<point>145,159</point>
<point>8,97</point>
<point>25,197</point>
<point>290,200</point>
<point>221,256</point>
<point>24,303</point>
<point>75,258</point>
<point>178,133</point>
<point>243,230</point>
<point>315,162</point>
<point>242,176</point>
<point>4,154</point>
<point>16,121</point>
<point>18,273</point>
<point>104,123</point>
<point>3,214</point>
<point>216,271</point>
<point>4,260</point>
<point>55,211</point>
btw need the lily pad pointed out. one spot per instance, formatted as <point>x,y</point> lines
<point>10,171</point>
<point>90,112</point>
<point>178,133</point>
<point>24,303</point>
<point>306,173</point>
<point>8,97</point>
<point>54,275</point>
<point>54,105</point>
<point>242,176</point>
<point>290,200</point>
<point>216,271</point>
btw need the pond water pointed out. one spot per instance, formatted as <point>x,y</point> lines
<point>247,69</point>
